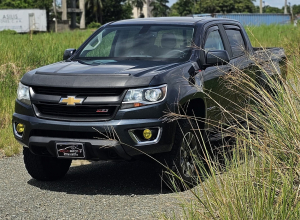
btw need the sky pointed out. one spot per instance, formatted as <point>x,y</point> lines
<point>273,3</point>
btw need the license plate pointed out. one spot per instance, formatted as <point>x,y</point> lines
<point>70,150</point>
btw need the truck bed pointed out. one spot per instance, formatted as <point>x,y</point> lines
<point>268,54</point>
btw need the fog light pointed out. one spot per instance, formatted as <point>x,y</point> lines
<point>20,128</point>
<point>147,134</point>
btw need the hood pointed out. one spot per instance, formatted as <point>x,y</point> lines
<point>97,74</point>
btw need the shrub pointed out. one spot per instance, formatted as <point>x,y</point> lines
<point>8,32</point>
<point>94,25</point>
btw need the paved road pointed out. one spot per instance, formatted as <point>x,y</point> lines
<point>101,190</point>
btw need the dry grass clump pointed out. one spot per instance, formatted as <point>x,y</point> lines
<point>259,175</point>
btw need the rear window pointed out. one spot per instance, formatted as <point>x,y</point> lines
<point>236,42</point>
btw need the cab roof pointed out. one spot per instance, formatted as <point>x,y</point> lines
<point>166,20</point>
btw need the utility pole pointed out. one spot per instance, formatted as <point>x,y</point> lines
<point>55,14</point>
<point>285,7</point>
<point>73,14</point>
<point>260,7</point>
<point>291,11</point>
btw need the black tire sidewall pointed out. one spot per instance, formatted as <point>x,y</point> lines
<point>45,168</point>
<point>172,159</point>
<point>183,128</point>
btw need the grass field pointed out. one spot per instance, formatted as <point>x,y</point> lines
<point>21,53</point>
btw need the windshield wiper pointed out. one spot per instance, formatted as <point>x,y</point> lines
<point>85,58</point>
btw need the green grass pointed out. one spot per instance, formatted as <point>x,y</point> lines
<point>272,35</point>
<point>19,54</point>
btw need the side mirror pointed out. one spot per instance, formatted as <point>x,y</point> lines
<point>217,57</point>
<point>68,53</point>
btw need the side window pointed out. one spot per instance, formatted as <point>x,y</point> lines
<point>236,42</point>
<point>214,41</point>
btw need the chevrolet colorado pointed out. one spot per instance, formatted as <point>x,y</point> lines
<point>106,100</point>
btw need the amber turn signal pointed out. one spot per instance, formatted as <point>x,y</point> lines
<point>137,104</point>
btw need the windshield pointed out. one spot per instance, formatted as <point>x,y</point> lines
<point>149,42</point>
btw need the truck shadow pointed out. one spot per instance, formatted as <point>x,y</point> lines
<point>108,178</point>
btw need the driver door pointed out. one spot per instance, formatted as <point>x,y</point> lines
<point>218,98</point>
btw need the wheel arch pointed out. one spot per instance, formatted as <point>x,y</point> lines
<point>195,107</point>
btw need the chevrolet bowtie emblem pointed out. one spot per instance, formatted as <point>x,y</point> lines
<point>71,100</point>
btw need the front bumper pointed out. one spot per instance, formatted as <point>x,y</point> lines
<point>103,140</point>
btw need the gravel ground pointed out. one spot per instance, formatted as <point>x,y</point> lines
<point>101,190</point>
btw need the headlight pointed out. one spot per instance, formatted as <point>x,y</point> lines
<point>145,96</point>
<point>23,94</point>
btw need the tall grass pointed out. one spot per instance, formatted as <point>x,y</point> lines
<point>19,54</point>
<point>260,177</point>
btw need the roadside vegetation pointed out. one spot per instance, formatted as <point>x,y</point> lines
<point>19,54</point>
<point>258,176</point>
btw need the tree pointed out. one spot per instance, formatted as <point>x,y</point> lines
<point>188,7</point>
<point>139,4</point>
<point>160,8</point>
<point>269,9</point>
<point>214,6</point>
<point>182,8</point>
<point>225,6</point>
<point>112,10</point>
<point>296,9</point>
<point>6,4</point>
<point>95,6</point>
<point>242,6</point>
<point>42,4</point>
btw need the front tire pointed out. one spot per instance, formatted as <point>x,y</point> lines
<point>184,158</point>
<point>45,168</point>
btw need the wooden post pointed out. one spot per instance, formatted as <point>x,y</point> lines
<point>82,19</point>
<point>64,10</point>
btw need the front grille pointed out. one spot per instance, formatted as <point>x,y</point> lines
<point>99,104</point>
<point>78,91</point>
<point>83,111</point>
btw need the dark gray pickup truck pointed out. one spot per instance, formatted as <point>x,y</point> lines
<point>106,100</point>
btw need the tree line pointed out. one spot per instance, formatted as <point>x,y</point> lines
<point>103,11</point>
<point>188,7</point>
